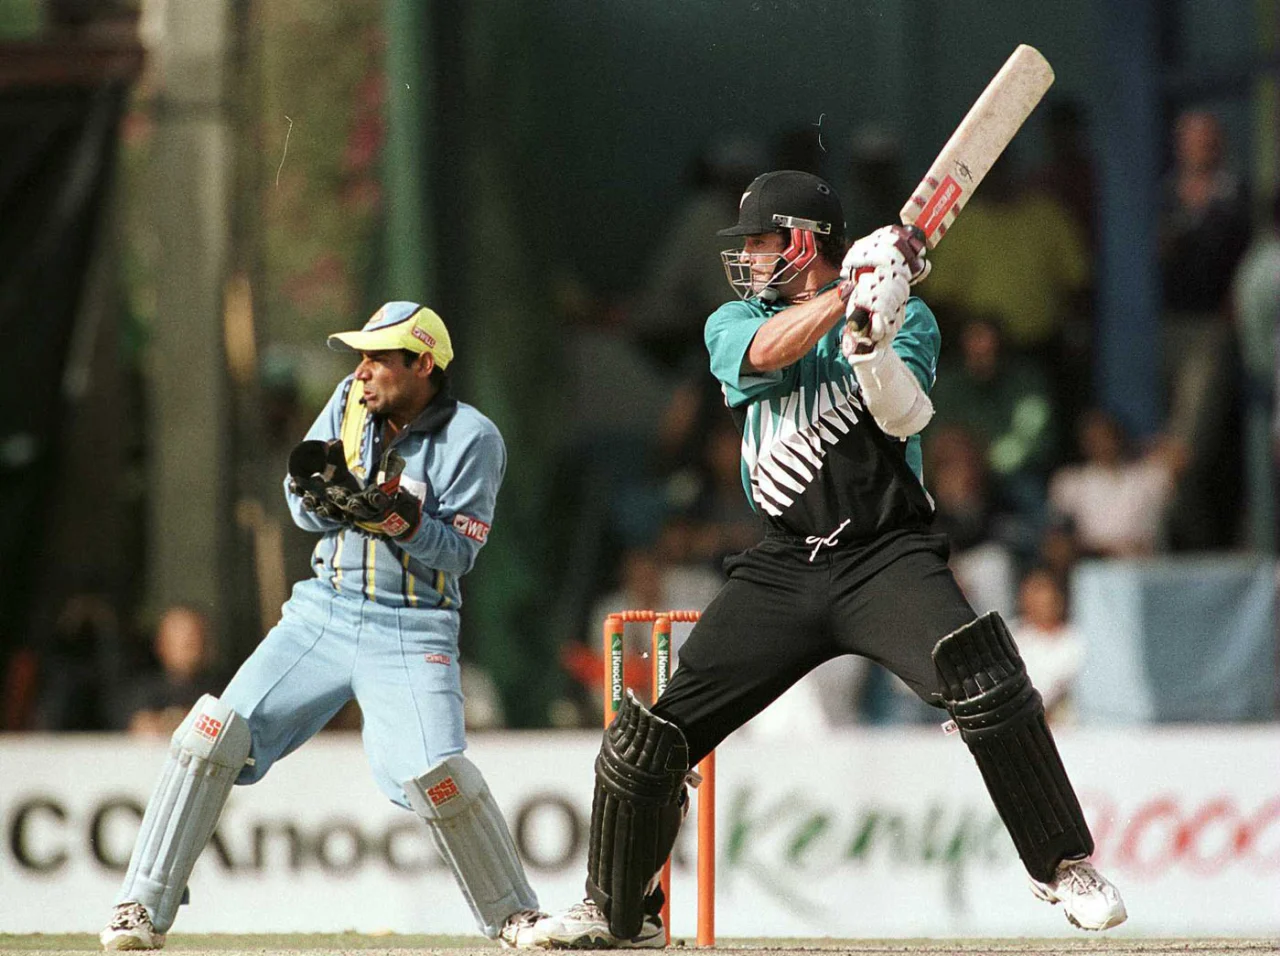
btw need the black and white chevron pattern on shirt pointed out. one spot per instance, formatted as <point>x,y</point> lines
<point>785,441</point>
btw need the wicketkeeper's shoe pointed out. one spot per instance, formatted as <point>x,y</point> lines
<point>130,928</point>
<point>516,932</point>
<point>584,926</point>
<point>1087,897</point>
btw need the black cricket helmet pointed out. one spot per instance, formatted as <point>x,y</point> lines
<point>800,206</point>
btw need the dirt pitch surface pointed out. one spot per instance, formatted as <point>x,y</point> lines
<point>301,944</point>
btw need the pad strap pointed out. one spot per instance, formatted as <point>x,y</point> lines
<point>635,814</point>
<point>1001,718</point>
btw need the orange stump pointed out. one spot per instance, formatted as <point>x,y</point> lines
<point>660,660</point>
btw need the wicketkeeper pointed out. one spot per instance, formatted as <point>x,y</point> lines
<point>400,480</point>
<point>826,365</point>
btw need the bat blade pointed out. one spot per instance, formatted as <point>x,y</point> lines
<point>978,142</point>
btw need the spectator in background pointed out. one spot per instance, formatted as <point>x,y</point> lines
<point>650,577</point>
<point>622,362</point>
<point>715,519</point>
<point>1114,502</point>
<point>1205,225</point>
<point>1019,257</point>
<point>1204,230</point>
<point>1068,174</point>
<point>982,557</point>
<point>1052,650</point>
<point>158,701</point>
<point>1068,177</point>
<point>283,414</point>
<point>1256,309</point>
<point>1004,402</point>
<point>76,670</point>
<point>684,282</point>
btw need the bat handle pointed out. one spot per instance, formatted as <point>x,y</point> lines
<point>858,318</point>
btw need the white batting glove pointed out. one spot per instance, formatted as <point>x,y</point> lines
<point>876,309</point>
<point>888,246</point>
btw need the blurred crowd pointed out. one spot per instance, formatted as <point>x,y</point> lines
<point>1029,474</point>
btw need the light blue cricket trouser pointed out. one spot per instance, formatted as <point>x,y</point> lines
<point>400,664</point>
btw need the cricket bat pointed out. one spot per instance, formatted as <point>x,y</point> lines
<point>973,148</point>
<point>977,143</point>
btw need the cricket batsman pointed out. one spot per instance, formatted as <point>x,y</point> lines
<point>826,363</point>
<point>399,480</point>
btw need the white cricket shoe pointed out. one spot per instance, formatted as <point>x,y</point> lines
<point>1087,897</point>
<point>517,930</point>
<point>130,928</point>
<point>584,926</point>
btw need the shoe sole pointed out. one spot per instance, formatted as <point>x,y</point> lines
<point>1043,894</point>
<point>596,941</point>
<point>127,941</point>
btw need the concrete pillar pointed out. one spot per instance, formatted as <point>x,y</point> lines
<point>1129,164</point>
<point>190,195</point>
<point>408,166</point>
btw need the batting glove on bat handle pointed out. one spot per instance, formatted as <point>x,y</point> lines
<point>914,246</point>
<point>859,319</point>
<point>910,242</point>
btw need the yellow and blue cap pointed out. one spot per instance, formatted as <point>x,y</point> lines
<point>400,325</point>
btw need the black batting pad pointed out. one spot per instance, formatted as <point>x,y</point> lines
<point>1001,718</point>
<point>635,814</point>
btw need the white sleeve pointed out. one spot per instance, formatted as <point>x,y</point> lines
<point>892,394</point>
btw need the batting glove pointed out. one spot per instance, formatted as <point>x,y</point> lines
<point>875,310</point>
<point>896,246</point>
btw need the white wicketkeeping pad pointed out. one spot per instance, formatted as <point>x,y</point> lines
<point>206,755</point>
<point>470,832</point>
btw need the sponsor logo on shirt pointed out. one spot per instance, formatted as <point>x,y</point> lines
<point>437,658</point>
<point>472,528</point>
<point>442,792</point>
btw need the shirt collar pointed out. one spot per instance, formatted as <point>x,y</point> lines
<point>436,415</point>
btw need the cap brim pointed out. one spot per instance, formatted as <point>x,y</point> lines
<point>376,341</point>
<point>738,230</point>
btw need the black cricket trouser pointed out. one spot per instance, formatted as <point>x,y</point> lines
<point>781,614</point>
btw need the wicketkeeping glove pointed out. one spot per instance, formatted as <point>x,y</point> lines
<point>318,474</point>
<point>384,507</point>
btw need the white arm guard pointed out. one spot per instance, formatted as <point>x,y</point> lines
<point>892,393</point>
